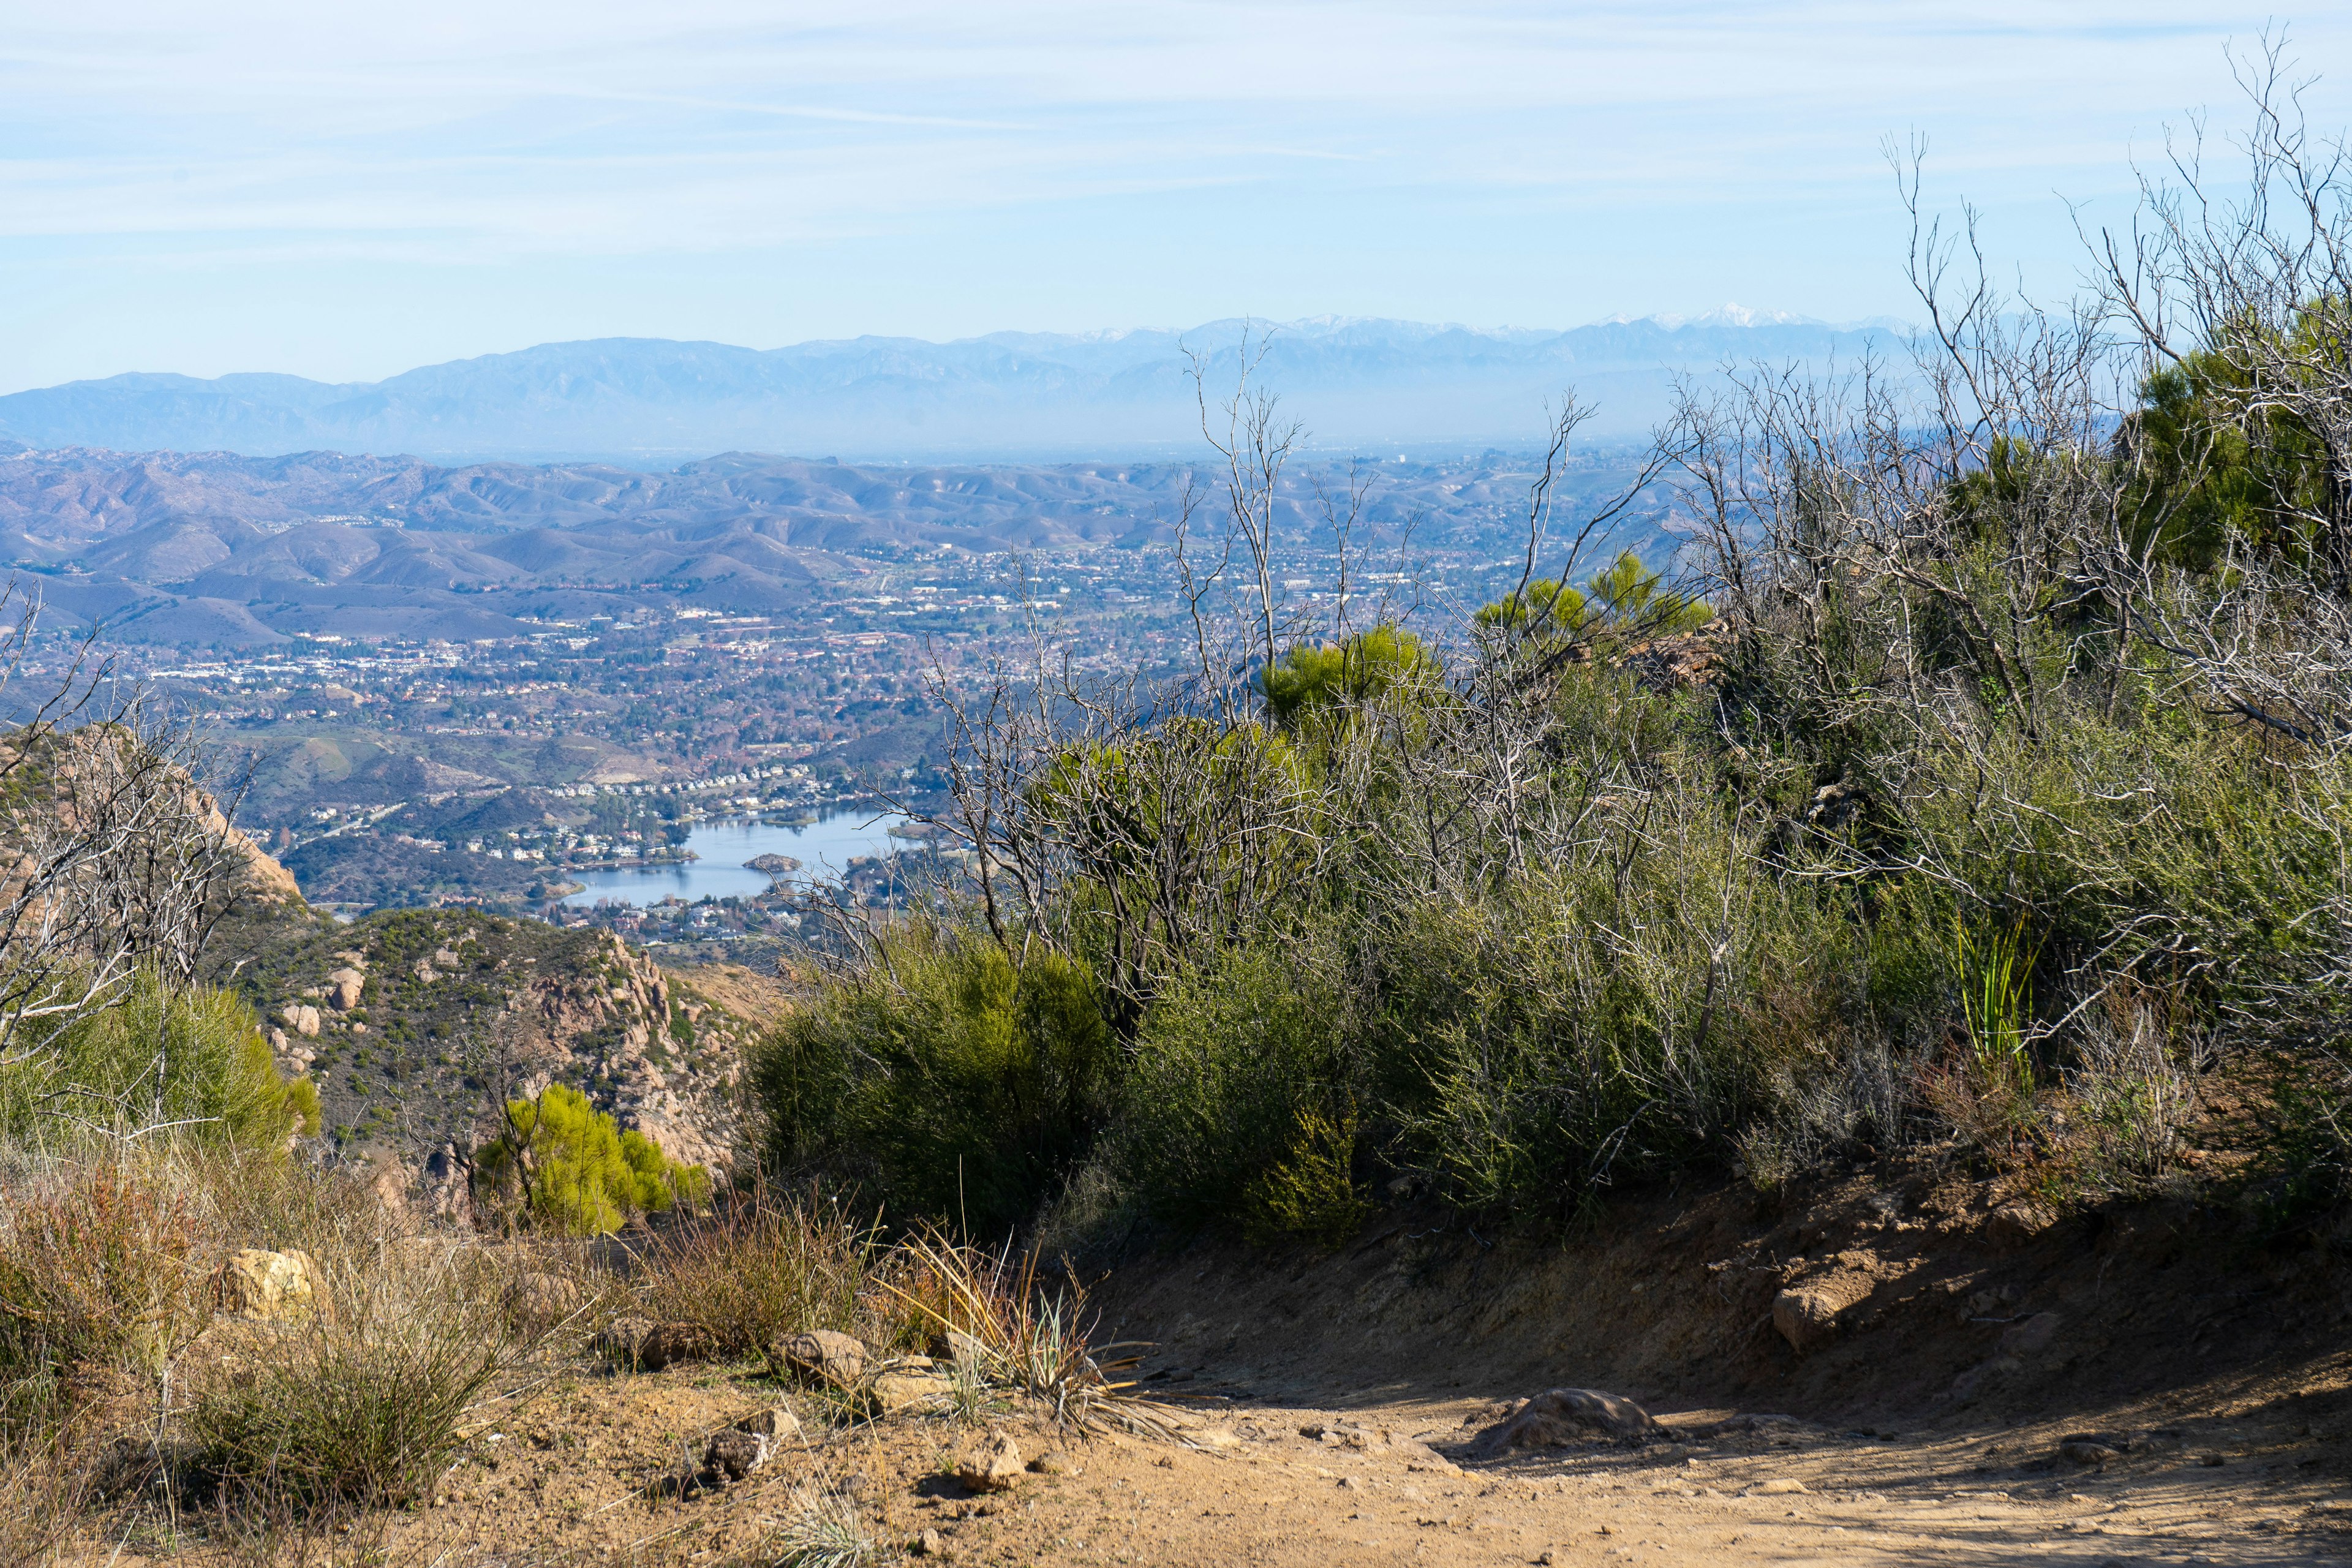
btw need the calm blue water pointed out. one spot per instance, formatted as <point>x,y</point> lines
<point>822,848</point>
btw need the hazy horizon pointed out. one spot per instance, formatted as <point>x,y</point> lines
<point>345,196</point>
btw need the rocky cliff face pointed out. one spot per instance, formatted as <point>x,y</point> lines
<point>658,1055</point>
<point>418,1025</point>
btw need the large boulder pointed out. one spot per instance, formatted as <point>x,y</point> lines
<point>1560,1417</point>
<point>269,1286</point>
<point>343,989</point>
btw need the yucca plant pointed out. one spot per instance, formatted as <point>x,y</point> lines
<point>1996,1000</point>
<point>1019,1337</point>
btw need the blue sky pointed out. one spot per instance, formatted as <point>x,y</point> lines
<point>308,188</point>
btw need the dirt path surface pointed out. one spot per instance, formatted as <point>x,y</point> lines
<point>2245,1479</point>
<point>1982,1386</point>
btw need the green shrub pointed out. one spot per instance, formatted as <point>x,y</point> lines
<point>1347,674</point>
<point>1231,1064</point>
<point>951,1083</point>
<point>567,1165</point>
<point>154,1055</point>
<point>1618,1015</point>
<point>1312,1195</point>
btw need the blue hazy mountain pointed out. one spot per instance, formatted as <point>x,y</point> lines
<point>1356,384</point>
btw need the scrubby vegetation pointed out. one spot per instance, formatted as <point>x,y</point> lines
<point>563,1164</point>
<point>1977,778</point>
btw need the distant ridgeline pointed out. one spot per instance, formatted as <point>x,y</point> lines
<point>1359,384</point>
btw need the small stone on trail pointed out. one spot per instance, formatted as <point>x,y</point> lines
<point>930,1543</point>
<point>777,1422</point>
<point>1778,1486</point>
<point>1560,1417</point>
<point>1054,1462</point>
<point>730,1454</point>
<point>623,1337</point>
<point>2086,1451</point>
<point>994,1467</point>
<point>2029,1334</point>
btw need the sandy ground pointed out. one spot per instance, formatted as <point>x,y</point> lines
<point>558,1480</point>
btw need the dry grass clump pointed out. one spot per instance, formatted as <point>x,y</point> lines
<point>761,1265</point>
<point>101,1264</point>
<point>822,1528</point>
<point>45,1484</point>
<point>1007,1331</point>
<point>109,1341</point>
<point>367,1403</point>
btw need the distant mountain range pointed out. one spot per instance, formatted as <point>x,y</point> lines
<point>1359,385</point>
<point>212,549</point>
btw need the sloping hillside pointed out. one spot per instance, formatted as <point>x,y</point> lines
<point>416,1025</point>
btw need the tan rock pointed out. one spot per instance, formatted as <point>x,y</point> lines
<point>995,1467</point>
<point>821,1355</point>
<point>906,1391</point>
<point>269,1286</point>
<point>345,987</point>
<point>1808,1314</point>
<point>301,1017</point>
<point>1560,1417</point>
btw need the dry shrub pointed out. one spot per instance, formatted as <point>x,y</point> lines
<point>100,1263</point>
<point>761,1265</point>
<point>2132,1087</point>
<point>44,1483</point>
<point>366,1403</point>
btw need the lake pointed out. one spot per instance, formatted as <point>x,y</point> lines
<point>822,846</point>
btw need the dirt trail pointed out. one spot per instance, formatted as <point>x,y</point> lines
<point>1340,1409</point>
<point>1391,1481</point>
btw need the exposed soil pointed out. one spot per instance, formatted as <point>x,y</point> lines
<point>560,1481</point>
<point>1343,1409</point>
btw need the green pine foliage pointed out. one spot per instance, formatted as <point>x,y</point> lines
<point>564,1165</point>
<point>152,1055</point>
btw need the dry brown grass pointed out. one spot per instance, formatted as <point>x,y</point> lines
<point>760,1265</point>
